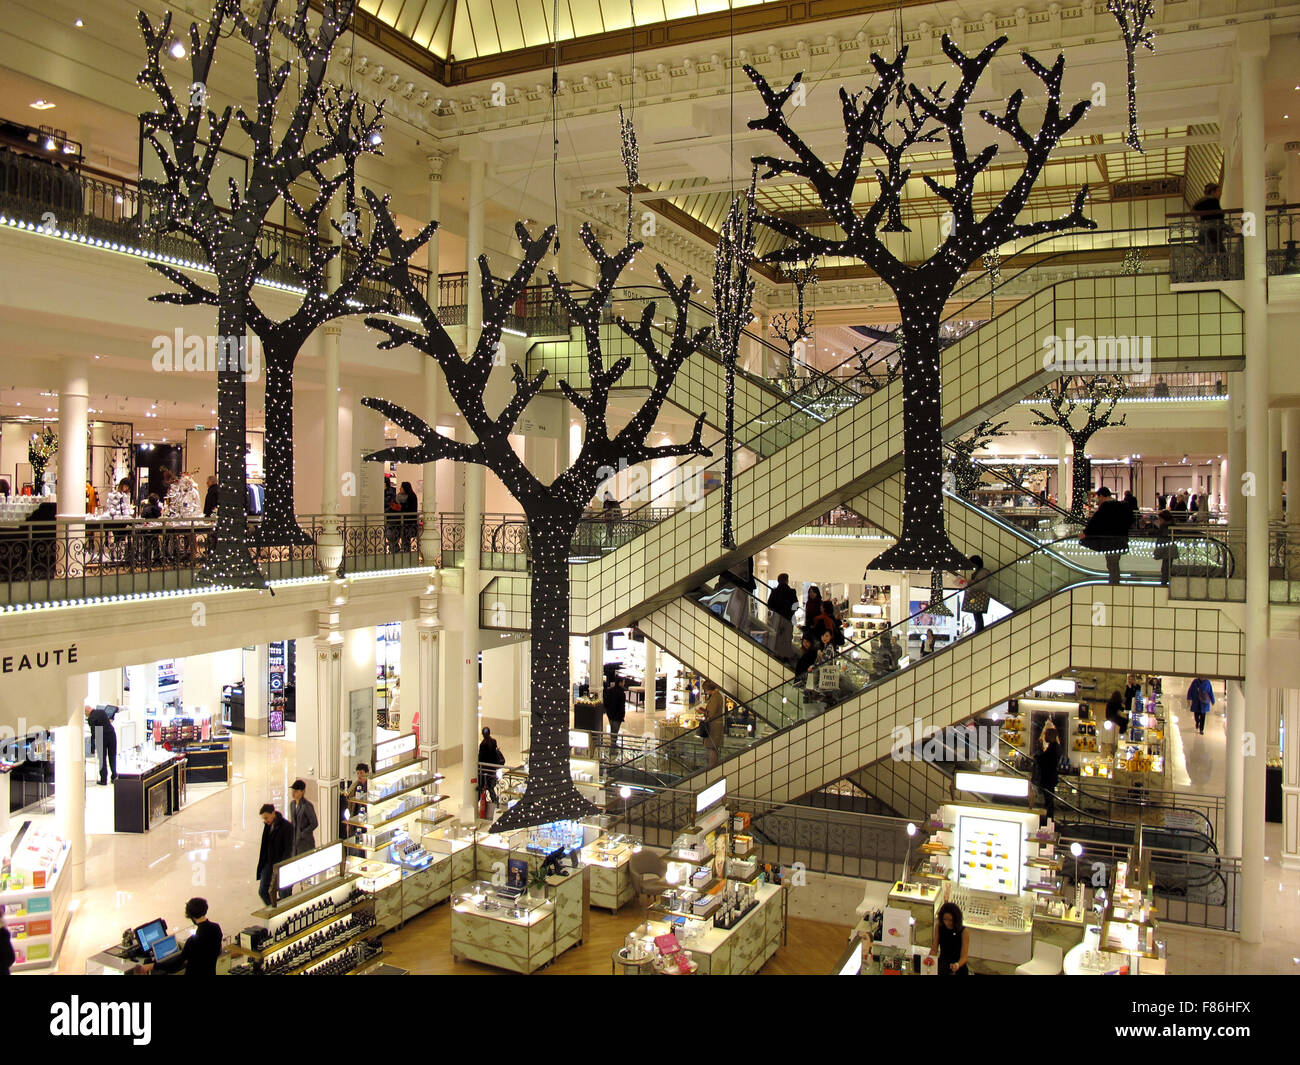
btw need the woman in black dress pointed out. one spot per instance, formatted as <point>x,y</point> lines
<point>951,941</point>
<point>1049,765</point>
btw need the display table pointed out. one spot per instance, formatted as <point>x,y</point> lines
<point>1065,932</point>
<point>1086,959</point>
<point>36,913</point>
<point>745,948</point>
<point>518,935</point>
<point>458,845</point>
<point>610,873</point>
<point>571,895</point>
<point>142,798</point>
<point>920,902</point>
<point>208,762</point>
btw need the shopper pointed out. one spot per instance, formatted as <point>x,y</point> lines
<point>277,846</point>
<point>408,524</point>
<point>211,497</point>
<point>1209,211</point>
<point>199,955</point>
<point>1132,691</point>
<point>927,643</point>
<point>1165,549</point>
<point>359,786</point>
<point>951,941</point>
<point>781,603</point>
<point>614,698</point>
<point>302,814</point>
<point>807,656</point>
<point>715,722</point>
<point>1135,508</point>
<point>1107,531</point>
<point>490,760</point>
<point>812,610</point>
<point>1048,761</point>
<point>103,738</point>
<point>976,600</point>
<point>1115,714</point>
<point>1200,697</point>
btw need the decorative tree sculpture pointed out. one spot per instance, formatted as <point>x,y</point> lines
<point>42,447</point>
<point>962,463</point>
<point>1101,393</point>
<point>795,328</point>
<point>552,510</point>
<point>186,136</point>
<point>733,299</point>
<point>344,121</point>
<point>1132,17</point>
<point>923,288</point>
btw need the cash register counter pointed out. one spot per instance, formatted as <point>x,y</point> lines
<point>119,961</point>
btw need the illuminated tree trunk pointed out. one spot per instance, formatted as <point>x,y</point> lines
<point>551,795</point>
<point>279,522</point>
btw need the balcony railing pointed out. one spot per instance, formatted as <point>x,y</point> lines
<point>1204,249</point>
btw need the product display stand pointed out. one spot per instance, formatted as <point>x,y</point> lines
<point>33,896</point>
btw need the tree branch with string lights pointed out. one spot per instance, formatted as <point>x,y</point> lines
<point>552,511</point>
<point>795,328</point>
<point>920,288</point>
<point>346,122</point>
<point>961,463</point>
<point>1132,17</point>
<point>1101,393</point>
<point>186,136</point>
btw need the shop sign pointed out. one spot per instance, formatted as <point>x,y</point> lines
<point>17,663</point>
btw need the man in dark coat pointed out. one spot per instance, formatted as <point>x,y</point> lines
<point>614,698</point>
<point>302,815</point>
<point>1107,531</point>
<point>103,740</point>
<point>780,604</point>
<point>277,845</point>
<point>212,497</point>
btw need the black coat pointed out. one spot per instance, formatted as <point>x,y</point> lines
<point>1109,526</point>
<point>783,600</point>
<point>1049,765</point>
<point>6,952</point>
<point>806,661</point>
<point>210,500</point>
<point>101,726</point>
<point>200,953</point>
<point>277,843</point>
<point>615,700</point>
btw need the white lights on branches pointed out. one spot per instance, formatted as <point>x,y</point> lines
<point>1132,17</point>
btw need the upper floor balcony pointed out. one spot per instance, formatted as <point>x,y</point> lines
<point>1213,249</point>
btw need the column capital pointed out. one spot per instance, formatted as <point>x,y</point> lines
<point>435,160</point>
<point>1252,40</point>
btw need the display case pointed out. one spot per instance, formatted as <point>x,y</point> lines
<point>402,788</point>
<point>740,949</point>
<point>458,843</point>
<point>33,895</point>
<point>608,860</point>
<point>502,927</point>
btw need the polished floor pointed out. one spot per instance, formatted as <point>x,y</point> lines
<point>210,849</point>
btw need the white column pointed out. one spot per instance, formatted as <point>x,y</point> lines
<point>430,542</point>
<point>327,651</point>
<point>651,668</point>
<point>1252,46</point>
<point>74,399</point>
<point>1291,445</point>
<point>1274,462</point>
<point>596,664</point>
<point>70,780</point>
<point>1238,504</point>
<point>474,490</point>
<point>1235,766</point>
<point>330,544</point>
<point>427,630</point>
<point>1291,780</point>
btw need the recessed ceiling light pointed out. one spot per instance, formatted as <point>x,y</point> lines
<point>78,23</point>
<point>177,49</point>
<point>40,105</point>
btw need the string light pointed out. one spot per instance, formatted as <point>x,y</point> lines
<point>1099,393</point>
<point>922,289</point>
<point>1132,17</point>
<point>965,471</point>
<point>631,161</point>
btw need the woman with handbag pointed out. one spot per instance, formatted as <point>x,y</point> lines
<point>976,600</point>
<point>714,723</point>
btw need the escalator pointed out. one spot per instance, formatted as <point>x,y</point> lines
<point>1063,618</point>
<point>809,463</point>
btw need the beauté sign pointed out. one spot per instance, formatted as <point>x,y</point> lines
<point>18,663</point>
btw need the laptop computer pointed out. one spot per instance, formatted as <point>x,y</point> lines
<point>165,948</point>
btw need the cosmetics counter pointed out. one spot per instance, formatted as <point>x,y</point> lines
<point>1005,873</point>
<point>325,922</point>
<point>34,895</point>
<point>503,927</point>
<point>388,827</point>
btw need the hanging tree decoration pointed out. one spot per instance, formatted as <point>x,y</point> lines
<point>936,605</point>
<point>352,131</point>
<point>1132,17</point>
<point>1131,264</point>
<point>631,162</point>
<point>795,328</point>
<point>552,511</point>
<point>42,447</point>
<point>1101,393</point>
<point>733,300</point>
<point>186,135</point>
<point>961,462</point>
<point>920,289</point>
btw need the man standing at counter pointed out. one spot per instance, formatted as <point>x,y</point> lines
<point>303,815</point>
<point>277,845</point>
<point>199,955</point>
<point>103,739</point>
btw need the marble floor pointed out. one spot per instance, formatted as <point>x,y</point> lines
<point>210,849</point>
